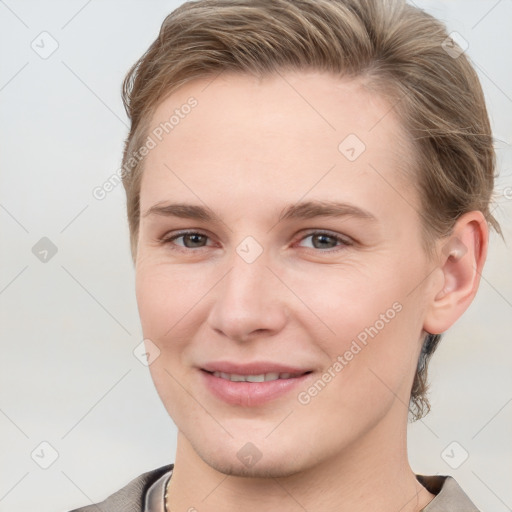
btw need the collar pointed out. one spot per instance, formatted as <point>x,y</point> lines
<point>449,497</point>
<point>155,496</point>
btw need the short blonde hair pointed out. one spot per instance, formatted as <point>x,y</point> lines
<point>401,52</point>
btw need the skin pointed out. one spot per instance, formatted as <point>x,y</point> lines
<point>248,149</point>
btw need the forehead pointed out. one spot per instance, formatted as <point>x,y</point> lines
<point>279,135</point>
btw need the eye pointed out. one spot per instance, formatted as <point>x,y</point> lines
<point>190,239</point>
<point>327,240</point>
<point>321,240</point>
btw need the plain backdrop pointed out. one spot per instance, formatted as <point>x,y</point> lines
<point>79,416</point>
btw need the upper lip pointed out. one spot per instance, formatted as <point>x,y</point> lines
<point>256,368</point>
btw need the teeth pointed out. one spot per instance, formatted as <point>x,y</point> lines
<point>262,377</point>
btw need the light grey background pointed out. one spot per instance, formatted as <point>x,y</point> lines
<point>68,376</point>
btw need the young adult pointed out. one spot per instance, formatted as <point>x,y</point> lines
<point>308,187</point>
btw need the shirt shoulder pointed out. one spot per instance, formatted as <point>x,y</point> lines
<point>449,495</point>
<point>130,498</point>
<point>138,495</point>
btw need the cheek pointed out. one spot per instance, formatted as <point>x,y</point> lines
<point>344,301</point>
<point>379,363</point>
<point>368,327</point>
<point>164,296</point>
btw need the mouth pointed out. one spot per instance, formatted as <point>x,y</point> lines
<point>251,389</point>
<point>261,377</point>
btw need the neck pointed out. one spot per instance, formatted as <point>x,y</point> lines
<point>372,474</point>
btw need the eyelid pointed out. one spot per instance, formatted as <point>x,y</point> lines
<point>170,237</point>
<point>344,241</point>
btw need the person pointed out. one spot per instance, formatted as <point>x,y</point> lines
<point>308,191</point>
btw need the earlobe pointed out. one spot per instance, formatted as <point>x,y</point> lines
<point>461,260</point>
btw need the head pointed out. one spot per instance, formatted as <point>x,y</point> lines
<point>249,109</point>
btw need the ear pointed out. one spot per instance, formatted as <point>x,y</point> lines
<point>461,257</point>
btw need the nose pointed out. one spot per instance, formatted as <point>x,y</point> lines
<point>249,302</point>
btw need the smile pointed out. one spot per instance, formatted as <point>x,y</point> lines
<point>262,377</point>
<point>253,390</point>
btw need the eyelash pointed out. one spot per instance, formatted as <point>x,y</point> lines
<point>344,242</point>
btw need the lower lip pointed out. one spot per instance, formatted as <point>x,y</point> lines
<point>249,394</point>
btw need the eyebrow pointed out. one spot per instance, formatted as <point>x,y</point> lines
<point>302,210</point>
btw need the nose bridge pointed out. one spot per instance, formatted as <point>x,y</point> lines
<point>248,286</point>
<point>248,277</point>
<point>249,297</point>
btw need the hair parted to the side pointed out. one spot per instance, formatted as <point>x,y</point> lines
<point>396,49</point>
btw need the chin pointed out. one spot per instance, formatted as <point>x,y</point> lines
<point>249,455</point>
<point>277,466</point>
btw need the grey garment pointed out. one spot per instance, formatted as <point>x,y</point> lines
<point>130,498</point>
<point>155,497</point>
<point>449,495</point>
<point>146,494</point>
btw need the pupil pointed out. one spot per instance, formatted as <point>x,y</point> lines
<point>322,238</point>
<point>196,238</point>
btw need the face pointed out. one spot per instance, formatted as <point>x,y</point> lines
<point>280,235</point>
